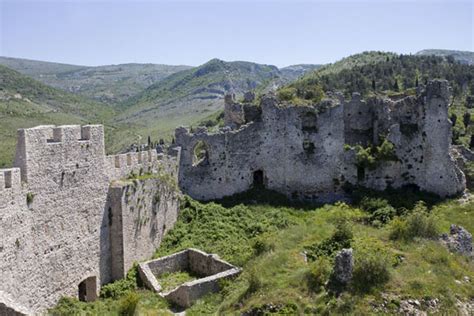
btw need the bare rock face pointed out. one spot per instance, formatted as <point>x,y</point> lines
<point>249,96</point>
<point>459,240</point>
<point>343,265</point>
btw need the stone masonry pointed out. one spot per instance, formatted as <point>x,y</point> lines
<point>69,223</point>
<point>209,267</point>
<point>308,152</point>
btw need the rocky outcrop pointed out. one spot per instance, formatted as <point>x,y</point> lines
<point>343,266</point>
<point>459,240</point>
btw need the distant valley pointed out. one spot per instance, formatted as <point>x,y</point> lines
<point>135,101</point>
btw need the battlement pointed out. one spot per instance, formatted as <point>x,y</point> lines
<point>50,134</point>
<point>48,149</point>
<point>437,89</point>
<point>120,166</point>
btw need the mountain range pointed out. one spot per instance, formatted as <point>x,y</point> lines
<point>135,101</point>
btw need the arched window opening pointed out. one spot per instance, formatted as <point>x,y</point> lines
<point>200,154</point>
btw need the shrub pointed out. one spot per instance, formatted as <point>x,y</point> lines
<point>364,157</point>
<point>314,93</point>
<point>128,304</point>
<point>254,282</point>
<point>419,223</point>
<point>341,239</point>
<point>29,198</point>
<point>263,244</point>
<point>371,269</point>
<point>381,212</point>
<point>121,287</point>
<point>287,94</point>
<point>319,272</point>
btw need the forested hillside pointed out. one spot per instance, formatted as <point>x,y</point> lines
<point>378,73</point>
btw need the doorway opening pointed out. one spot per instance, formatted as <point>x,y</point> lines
<point>88,289</point>
<point>258,178</point>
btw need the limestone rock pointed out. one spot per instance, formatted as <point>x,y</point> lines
<point>249,97</point>
<point>343,266</point>
<point>459,240</point>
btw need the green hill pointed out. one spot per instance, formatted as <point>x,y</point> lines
<point>25,102</point>
<point>463,57</point>
<point>189,96</point>
<point>110,84</point>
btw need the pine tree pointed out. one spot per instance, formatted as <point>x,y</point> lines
<point>395,86</point>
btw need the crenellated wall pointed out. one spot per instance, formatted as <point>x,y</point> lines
<point>55,209</point>
<point>301,151</point>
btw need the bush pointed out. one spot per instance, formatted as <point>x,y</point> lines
<point>319,272</point>
<point>254,283</point>
<point>263,244</point>
<point>341,239</point>
<point>121,287</point>
<point>419,223</point>
<point>371,269</point>
<point>128,304</point>
<point>287,94</point>
<point>381,212</point>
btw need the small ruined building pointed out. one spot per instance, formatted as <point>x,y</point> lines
<point>69,224</point>
<point>312,152</point>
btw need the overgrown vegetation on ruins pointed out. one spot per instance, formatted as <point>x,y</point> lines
<point>287,249</point>
<point>375,73</point>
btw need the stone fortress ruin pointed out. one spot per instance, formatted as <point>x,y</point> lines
<point>312,152</point>
<point>73,219</point>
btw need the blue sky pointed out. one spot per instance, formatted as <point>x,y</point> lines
<point>192,32</point>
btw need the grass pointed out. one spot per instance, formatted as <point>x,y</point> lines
<point>267,236</point>
<point>169,281</point>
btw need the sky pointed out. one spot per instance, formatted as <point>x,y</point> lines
<point>281,33</point>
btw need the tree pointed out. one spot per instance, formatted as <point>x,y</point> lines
<point>471,144</point>
<point>395,86</point>
<point>373,84</point>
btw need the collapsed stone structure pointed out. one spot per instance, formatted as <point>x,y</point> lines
<point>310,152</point>
<point>208,267</point>
<point>68,220</point>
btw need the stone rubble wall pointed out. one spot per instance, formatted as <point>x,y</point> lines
<point>54,214</point>
<point>300,149</point>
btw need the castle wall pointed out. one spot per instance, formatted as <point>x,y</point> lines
<point>53,214</point>
<point>229,166</point>
<point>300,149</point>
<point>141,213</point>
